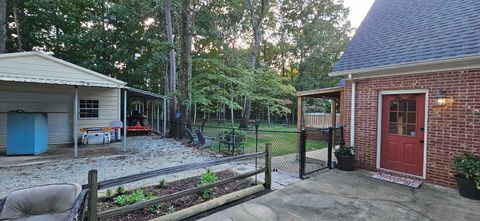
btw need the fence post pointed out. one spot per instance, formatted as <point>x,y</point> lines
<point>330,147</point>
<point>92,195</point>
<point>303,152</point>
<point>268,166</point>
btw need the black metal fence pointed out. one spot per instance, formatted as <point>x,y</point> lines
<point>295,153</point>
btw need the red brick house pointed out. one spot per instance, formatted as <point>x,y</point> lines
<point>412,87</point>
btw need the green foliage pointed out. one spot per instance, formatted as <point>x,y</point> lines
<point>121,190</point>
<point>171,209</point>
<point>207,178</point>
<point>468,165</point>
<point>154,209</point>
<point>344,151</point>
<point>302,41</point>
<point>109,193</point>
<point>161,183</point>
<point>132,198</point>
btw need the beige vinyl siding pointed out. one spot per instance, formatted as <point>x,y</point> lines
<point>57,101</point>
<point>39,67</point>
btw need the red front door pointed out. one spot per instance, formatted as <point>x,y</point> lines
<point>403,118</point>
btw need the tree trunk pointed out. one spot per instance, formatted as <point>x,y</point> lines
<point>17,26</point>
<point>173,69</point>
<point>185,68</point>
<point>268,116</point>
<point>256,26</point>
<point>194,113</point>
<point>3,26</point>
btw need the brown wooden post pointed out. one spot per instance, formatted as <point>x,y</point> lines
<point>299,119</point>
<point>334,119</point>
<point>92,195</point>
<point>268,166</point>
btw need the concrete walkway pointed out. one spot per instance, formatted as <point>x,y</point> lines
<point>339,195</point>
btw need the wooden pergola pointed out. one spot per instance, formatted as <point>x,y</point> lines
<point>335,94</point>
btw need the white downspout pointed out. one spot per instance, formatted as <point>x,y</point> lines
<point>352,115</point>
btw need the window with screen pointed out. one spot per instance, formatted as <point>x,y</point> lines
<point>88,109</point>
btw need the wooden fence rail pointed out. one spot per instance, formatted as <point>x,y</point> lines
<point>93,184</point>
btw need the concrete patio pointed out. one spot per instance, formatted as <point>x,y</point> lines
<point>339,195</point>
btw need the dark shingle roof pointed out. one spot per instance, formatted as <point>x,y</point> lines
<point>409,31</point>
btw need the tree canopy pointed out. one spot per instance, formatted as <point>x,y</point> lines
<point>297,43</point>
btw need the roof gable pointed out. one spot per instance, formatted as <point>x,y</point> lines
<point>37,67</point>
<point>399,32</point>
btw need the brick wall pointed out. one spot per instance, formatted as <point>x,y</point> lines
<point>452,129</point>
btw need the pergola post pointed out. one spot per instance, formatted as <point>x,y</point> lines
<point>75,123</point>
<point>299,119</point>
<point>125,120</point>
<point>334,119</point>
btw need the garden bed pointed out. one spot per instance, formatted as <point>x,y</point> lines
<point>150,192</point>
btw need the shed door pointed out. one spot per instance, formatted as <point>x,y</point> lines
<point>57,106</point>
<point>403,118</point>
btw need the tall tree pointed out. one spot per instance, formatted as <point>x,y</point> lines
<point>185,74</point>
<point>256,23</point>
<point>3,26</point>
<point>172,67</point>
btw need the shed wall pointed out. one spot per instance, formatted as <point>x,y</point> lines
<point>57,101</point>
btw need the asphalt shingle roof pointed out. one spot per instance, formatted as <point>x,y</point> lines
<point>409,31</point>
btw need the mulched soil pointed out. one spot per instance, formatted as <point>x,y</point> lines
<point>178,204</point>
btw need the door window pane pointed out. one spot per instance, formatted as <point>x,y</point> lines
<point>403,117</point>
<point>394,105</point>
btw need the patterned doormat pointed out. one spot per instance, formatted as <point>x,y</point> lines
<point>406,181</point>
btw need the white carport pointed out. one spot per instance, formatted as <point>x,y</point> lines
<point>72,96</point>
<point>155,107</point>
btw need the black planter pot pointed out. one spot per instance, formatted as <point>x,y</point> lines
<point>345,162</point>
<point>467,188</point>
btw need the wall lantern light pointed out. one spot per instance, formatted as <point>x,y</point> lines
<point>441,98</point>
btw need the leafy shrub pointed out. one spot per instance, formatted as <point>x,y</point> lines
<point>344,151</point>
<point>161,183</point>
<point>469,166</point>
<point>207,178</point>
<point>132,198</point>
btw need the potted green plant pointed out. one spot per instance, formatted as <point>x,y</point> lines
<point>345,158</point>
<point>468,177</point>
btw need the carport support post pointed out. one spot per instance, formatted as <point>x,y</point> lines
<point>75,123</point>
<point>125,120</point>
<point>164,116</point>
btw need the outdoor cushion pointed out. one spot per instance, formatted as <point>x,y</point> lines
<point>49,202</point>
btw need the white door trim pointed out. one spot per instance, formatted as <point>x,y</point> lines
<point>379,124</point>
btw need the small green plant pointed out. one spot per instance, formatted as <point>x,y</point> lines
<point>344,151</point>
<point>109,193</point>
<point>161,184</point>
<point>207,178</point>
<point>468,165</point>
<point>121,190</point>
<point>132,198</point>
<point>154,209</point>
<point>171,209</point>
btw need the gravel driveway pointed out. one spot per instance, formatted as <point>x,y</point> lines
<point>145,153</point>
